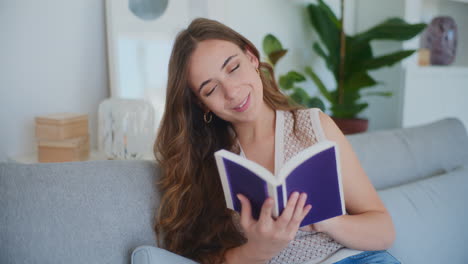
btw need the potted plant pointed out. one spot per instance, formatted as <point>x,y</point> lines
<point>274,51</point>
<point>350,58</point>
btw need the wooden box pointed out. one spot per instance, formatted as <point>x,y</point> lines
<point>61,126</point>
<point>75,149</point>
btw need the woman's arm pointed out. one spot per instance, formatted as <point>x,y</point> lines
<point>368,225</point>
<point>241,255</point>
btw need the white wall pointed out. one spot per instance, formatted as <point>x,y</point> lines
<point>53,59</point>
<point>434,93</point>
<point>284,19</point>
<point>54,56</point>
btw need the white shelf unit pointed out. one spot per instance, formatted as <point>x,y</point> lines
<point>434,92</point>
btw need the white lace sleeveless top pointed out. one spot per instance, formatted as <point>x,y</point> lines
<point>308,246</point>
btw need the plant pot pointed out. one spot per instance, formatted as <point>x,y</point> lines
<point>351,125</point>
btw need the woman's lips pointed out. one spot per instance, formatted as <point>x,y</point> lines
<point>244,105</point>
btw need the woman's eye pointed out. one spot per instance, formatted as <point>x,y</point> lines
<point>211,91</point>
<point>235,68</point>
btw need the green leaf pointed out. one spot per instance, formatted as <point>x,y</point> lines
<point>392,29</point>
<point>328,28</point>
<point>358,49</point>
<point>299,96</point>
<point>327,10</point>
<point>320,51</point>
<point>287,81</point>
<point>273,48</point>
<point>386,60</point>
<point>292,102</point>
<point>315,102</point>
<point>356,54</point>
<point>386,94</point>
<point>321,87</point>
<point>349,98</point>
<point>271,44</point>
<point>358,81</point>
<point>276,55</point>
<point>322,54</point>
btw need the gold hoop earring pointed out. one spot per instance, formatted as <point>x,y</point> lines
<point>205,119</point>
<point>258,72</point>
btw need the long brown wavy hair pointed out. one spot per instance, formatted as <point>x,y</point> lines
<point>192,219</point>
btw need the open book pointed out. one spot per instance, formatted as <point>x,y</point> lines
<point>315,170</point>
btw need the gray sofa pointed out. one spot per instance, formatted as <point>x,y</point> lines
<point>98,212</point>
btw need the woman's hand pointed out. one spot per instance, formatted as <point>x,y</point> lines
<point>268,236</point>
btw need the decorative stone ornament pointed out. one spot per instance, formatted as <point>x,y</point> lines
<point>440,38</point>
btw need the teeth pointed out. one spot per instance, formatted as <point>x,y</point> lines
<point>243,103</point>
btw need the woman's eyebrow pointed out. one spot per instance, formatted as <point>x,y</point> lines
<point>224,65</point>
<point>227,60</point>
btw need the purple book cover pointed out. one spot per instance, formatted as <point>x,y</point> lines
<point>318,177</point>
<point>242,180</point>
<point>314,171</point>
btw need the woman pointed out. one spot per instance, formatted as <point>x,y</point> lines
<point>219,95</point>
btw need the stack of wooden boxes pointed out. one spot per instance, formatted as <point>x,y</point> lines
<point>62,137</point>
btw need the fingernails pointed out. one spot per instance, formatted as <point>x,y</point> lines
<point>295,194</point>
<point>238,197</point>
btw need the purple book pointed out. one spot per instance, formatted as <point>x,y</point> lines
<point>315,170</point>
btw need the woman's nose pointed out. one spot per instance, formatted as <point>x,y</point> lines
<point>231,90</point>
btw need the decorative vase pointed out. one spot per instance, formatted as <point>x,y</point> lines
<point>440,38</point>
<point>126,128</point>
<point>351,125</point>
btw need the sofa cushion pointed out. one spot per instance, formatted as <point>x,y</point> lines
<point>80,212</point>
<point>155,255</point>
<point>430,217</point>
<point>399,156</point>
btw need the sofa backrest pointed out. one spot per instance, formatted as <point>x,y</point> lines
<point>398,156</point>
<point>79,212</point>
<point>99,211</point>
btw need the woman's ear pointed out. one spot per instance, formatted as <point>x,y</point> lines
<point>252,58</point>
<point>196,100</point>
<point>202,106</point>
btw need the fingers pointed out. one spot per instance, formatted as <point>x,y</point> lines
<point>290,218</point>
<point>306,210</point>
<point>295,211</point>
<point>265,213</point>
<point>288,211</point>
<point>299,212</point>
<point>246,211</point>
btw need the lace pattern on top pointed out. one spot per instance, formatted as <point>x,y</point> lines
<point>309,246</point>
<point>304,136</point>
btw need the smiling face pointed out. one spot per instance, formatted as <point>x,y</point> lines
<point>225,80</point>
